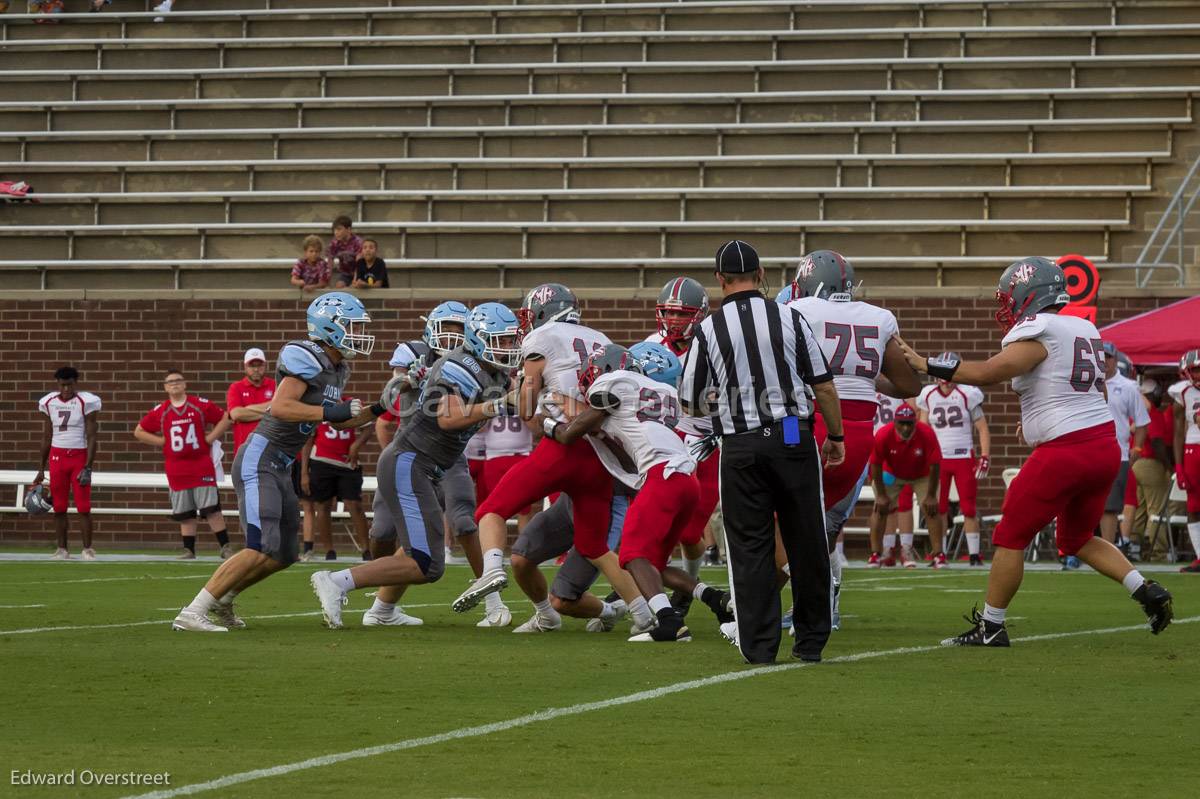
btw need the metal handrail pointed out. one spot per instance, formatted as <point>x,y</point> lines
<point>1175,235</point>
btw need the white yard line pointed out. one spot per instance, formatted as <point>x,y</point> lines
<point>198,576</point>
<point>18,607</point>
<point>572,710</point>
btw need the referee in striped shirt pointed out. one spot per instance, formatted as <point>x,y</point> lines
<point>747,368</point>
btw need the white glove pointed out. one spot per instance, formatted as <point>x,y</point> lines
<point>356,407</point>
<point>416,375</point>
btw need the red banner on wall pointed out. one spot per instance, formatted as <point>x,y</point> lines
<point>1083,286</point>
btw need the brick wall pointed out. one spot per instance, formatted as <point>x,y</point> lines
<point>121,348</point>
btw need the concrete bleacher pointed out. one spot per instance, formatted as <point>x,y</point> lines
<point>931,140</point>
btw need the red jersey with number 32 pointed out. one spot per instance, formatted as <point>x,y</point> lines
<point>1065,392</point>
<point>333,446</point>
<point>187,456</point>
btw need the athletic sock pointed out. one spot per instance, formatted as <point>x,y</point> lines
<point>343,580</point>
<point>972,543</point>
<point>658,603</point>
<point>840,549</point>
<point>381,607</point>
<point>786,569</point>
<point>698,591</point>
<point>492,602</point>
<point>889,542</point>
<point>1194,534</point>
<point>229,597</point>
<point>308,546</point>
<point>493,560</point>
<point>640,612</point>
<point>692,567</point>
<point>543,608</point>
<point>835,569</point>
<point>906,539</point>
<point>189,543</point>
<point>1133,581</point>
<point>994,615</point>
<point>222,537</point>
<point>203,603</point>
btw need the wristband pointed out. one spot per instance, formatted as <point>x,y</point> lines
<point>378,410</point>
<point>337,413</point>
<point>832,437</point>
<point>549,426</point>
<point>943,366</point>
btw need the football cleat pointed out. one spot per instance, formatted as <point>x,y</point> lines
<point>191,621</point>
<point>730,632</point>
<point>88,554</point>
<point>721,604</point>
<point>670,629</point>
<point>226,551</point>
<point>638,629</point>
<point>306,557</point>
<point>602,625</point>
<point>60,554</point>
<point>939,561</point>
<point>225,616</point>
<point>540,624</point>
<point>499,617</point>
<point>908,557</point>
<point>982,633</point>
<point>186,554</point>
<point>1156,602</point>
<point>888,561</point>
<point>835,614</point>
<point>786,621</point>
<point>1069,562</point>
<point>712,556</point>
<point>681,601</point>
<point>1192,568</point>
<point>395,618</point>
<point>488,583</point>
<point>330,597</point>
<point>873,561</point>
<point>977,560</point>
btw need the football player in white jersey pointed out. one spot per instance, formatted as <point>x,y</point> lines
<point>68,452</point>
<point>1056,365</point>
<point>954,411</point>
<point>1186,394</point>
<point>640,414</point>
<point>554,351</point>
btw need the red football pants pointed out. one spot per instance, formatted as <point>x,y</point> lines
<point>494,470</point>
<point>962,471</point>
<point>657,516</point>
<point>65,466</point>
<point>840,480</point>
<point>1067,479</point>
<point>708,475</point>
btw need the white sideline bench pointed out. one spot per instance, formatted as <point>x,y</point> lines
<point>727,129</point>
<point>625,98</point>
<point>22,478</point>
<point>531,68</point>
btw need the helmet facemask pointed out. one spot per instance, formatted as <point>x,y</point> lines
<point>445,334</point>
<point>677,322</point>
<point>355,339</point>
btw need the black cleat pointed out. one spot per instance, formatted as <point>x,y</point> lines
<point>712,556</point>
<point>976,560</point>
<point>670,629</point>
<point>718,602</point>
<point>807,657</point>
<point>984,633</point>
<point>1156,602</point>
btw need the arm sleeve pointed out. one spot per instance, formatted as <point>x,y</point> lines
<point>151,422</point>
<point>298,362</point>
<point>213,412</point>
<point>231,397</point>
<point>91,404</point>
<point>1140,415</point>
<point>603,396</point>
<point>810,359</point>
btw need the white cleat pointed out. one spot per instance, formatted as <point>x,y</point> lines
<point>225,616</point>
<point>397,618</point>
<point>730,632</point>
<point>88,554</point>
<point>331,598</point>
<point>539,624</point>
<point>500,617</point>
<point>191,621</point>
<point>60,554</point>
<point>636,629</point>
<point>602,625</point>
<point>489,583</point>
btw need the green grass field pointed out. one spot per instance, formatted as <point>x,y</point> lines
<point>1097,712</point>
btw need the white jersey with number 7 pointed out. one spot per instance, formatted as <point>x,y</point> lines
<point>67,417</point>
<point>1065,392</point>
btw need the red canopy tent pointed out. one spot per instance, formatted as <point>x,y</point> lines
<point>1159,337</point>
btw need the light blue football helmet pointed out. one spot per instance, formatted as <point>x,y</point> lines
<point>437,335</point>
<point>340,320</point>
<point>492,334</point>
<point>658,362</point>
<point>786,294</point>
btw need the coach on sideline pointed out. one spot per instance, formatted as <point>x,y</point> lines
<point>746,369</point>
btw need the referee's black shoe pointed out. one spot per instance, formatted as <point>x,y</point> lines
<point>983,633</point>
<point>1156,602</point>
<point>807,657</point>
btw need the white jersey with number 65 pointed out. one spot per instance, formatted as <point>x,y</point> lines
<point>853,335</point>
<point>642,414</point>
<point>1065,392</point>
<point>565,347</point>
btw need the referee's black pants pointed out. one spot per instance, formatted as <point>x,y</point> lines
<point>761,479</point>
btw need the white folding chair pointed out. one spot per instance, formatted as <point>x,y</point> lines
<point>1163,517</point>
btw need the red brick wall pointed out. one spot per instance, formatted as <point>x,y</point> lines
<point>122,346</point>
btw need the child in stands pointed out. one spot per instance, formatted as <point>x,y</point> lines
<point>312,271</point>
<point>371,271</point>
<point>344,251</point>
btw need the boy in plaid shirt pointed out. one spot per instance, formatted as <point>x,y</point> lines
<point>344,251</point>
<point>312,271</point>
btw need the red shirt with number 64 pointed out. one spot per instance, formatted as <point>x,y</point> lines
<point>188,457</point>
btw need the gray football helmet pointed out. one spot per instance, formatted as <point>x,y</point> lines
<point>549,302</point>
<point>1027,287</point>
<point>825,274</point>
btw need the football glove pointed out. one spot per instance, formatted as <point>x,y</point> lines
<point>85,476</point>
<point>701,446</point>
<point>981,469</point>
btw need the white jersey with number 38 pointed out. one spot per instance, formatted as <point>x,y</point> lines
<point>565,347</point>
<point>853,336</point>
<point>642,414</point>
<point>1065,392</point>
<point>67,417</point>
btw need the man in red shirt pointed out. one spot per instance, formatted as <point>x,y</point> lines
<point>330,470</point>
<point>909,450</point>
<point>178,427</point>
<point>249,398</point>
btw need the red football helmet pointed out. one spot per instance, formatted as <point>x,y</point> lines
<point>682,304</point>
<point>1189,367</point>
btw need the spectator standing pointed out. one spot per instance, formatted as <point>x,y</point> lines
<point>311,271</point>
<point>344,251</point>
<point>909,450</point>
<point>249,398</point>
<point>1153,469</point>
<point>370,272</point>
<point>68,452</point>
<point>177,426</point>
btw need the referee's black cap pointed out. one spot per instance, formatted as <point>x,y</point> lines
<point>736,257</point>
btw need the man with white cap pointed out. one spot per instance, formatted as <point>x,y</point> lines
<point>249,398</point>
